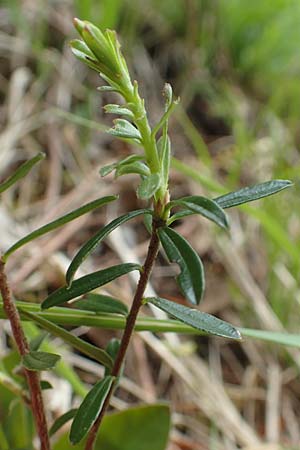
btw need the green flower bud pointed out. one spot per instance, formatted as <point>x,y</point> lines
<point>101,51</point>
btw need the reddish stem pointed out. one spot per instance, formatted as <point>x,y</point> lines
<point>129,328</point>
<point>32,377</point>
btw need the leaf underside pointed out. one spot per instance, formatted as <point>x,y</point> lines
<point>251,193</point>
<point>197,319</point>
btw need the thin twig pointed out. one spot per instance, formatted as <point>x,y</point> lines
<point>130,323</point>
<point>32,377</point>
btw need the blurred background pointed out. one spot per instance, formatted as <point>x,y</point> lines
<point>236,67</point>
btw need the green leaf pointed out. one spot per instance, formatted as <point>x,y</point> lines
<point>179,215</point>
<point>148,186</point>
<point>164,152</point>
<point>37,341</point>
<point>85,347</point>
<point>196,319</point>
<point>87,283</point>
<point>101,304</point>
<point>119,110</point>
<point>170,104</point>
<point>98,44</point>
<point>21,172</point>
<point>59,222</point>
<point>203,206</point>
<point>248,194</point>
<point>19,427</point>
<point>140,428</point>
<point>110,167</point>
<point>148,222</point>
<point>107,89</point>
<point>95,240</point>
<point>135,167</point>
<point>191,278</point>
<point>125,129</point>
<point>112,349</point>
<point>83,53</point>
<point>62,420</point>
<point>143,427</point>
<point>89,409</point>
<point>39,360</point>
<point>4,445</point>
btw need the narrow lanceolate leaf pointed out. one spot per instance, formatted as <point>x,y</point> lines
<point>102,304</point>
<point>112,349</point>
<point>83,53</point>
<point>39,360</point>
<point>148,186</point>
<point>196,319</point>
<point>124,129</point>
<point>60,222</point>
<point>85,347</point>
<point>148,218</point>
<point>62,420</point>
<point>191,277</point>
<point>119,110</point>
<point>248,194</point>
<point>136,167</point>
<point>110,167</point>
<point>203,206</point>
<point>164,152</point>
<point>89,409</point>
<point>179,215</point>
<point>107,89</point>
<point>95,240</point>
<point>88,283</point>
<point>21,172</point>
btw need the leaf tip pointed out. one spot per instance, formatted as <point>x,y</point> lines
<point>44,305</point>
<point>238,335</point>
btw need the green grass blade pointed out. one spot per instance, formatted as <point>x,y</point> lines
<point>95,240</point>
<point>87,283</point>
<point>85,347</point>
<point>21,172</point>
<point>71,317</point>
<point>59,222</point>
<point>275,337</point>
